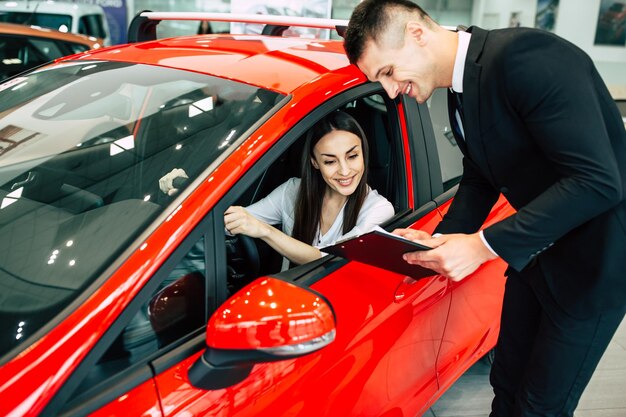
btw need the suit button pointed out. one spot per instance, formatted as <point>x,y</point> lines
<point>504,190</point>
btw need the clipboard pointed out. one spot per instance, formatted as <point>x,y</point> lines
<point>381,249</point>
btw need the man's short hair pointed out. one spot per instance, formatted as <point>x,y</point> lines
<point>370,20</point>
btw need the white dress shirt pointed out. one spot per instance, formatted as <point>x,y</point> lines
<point>279,208</point>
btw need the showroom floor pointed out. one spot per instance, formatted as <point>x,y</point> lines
<point>605,395</point>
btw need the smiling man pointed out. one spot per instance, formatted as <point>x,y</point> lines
<point>536,123</point>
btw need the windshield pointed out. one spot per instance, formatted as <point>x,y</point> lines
<point>60,22</point>
<point>82,148</point>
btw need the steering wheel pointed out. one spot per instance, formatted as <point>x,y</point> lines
<point>244,264</point>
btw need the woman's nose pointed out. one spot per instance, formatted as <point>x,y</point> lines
<point>344,168</point>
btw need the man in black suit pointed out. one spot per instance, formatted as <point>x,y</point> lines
<point>536,123</point>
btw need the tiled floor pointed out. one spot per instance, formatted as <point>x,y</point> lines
<point>605,395</point>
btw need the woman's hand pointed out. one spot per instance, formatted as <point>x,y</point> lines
<point>238,221</point>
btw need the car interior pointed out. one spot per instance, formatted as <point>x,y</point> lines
<point>384,176</point>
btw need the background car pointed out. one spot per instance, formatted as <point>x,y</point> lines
<point>24,47</point>
<point>84,19</point>
<point>118,299</point>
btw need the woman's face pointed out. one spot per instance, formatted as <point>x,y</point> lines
<point>339,157</point>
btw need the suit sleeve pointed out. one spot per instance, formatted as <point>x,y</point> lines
<point>557,93</point>
<point>471,205</point>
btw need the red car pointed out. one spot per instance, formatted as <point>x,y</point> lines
<point>118,299</point>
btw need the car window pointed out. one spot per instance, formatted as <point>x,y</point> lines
<point>91,25</point>
<point>450,157</point>
<point>372,114</point>
<point>59,22</point>
<point>18,54</point>
<point>386,175</point>
<point>75,48</point>
<point>175,308</point>
<point>82,148</point>
<point>47,49</point>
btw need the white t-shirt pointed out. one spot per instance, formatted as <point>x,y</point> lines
<point>279,208</point>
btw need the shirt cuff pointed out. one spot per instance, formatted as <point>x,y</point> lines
<point>482,237</point>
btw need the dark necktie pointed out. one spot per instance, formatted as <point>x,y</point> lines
<point>459,106</point>
<point>455,101</point>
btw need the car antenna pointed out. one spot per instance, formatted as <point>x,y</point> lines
<point>27,22</point>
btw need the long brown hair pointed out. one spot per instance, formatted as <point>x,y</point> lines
<point>308,210</point>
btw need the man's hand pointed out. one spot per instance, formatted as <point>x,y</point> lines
<point>166,182</point>
<point>454,256</point>
<point>237,220</point>
<point>412,234</point>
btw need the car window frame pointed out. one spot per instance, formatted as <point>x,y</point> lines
<point>426,172</point>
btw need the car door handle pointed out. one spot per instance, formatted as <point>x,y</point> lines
<point>424,290</point>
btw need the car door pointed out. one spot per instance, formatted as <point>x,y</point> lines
<point>389,326</point>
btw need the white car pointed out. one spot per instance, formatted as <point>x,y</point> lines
<point>86,19</point>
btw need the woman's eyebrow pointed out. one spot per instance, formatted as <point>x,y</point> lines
<point>331,155</point>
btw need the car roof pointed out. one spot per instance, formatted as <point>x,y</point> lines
<point>52,7</point>
<point>275,63</point>
<point>37,31</point>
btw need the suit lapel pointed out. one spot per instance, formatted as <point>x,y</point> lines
<point>471,96</point>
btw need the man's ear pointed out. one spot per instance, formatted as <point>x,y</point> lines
<point>415,30</point>
<point>314,163</point>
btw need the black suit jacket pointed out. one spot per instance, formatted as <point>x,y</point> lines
<point>541,128</point>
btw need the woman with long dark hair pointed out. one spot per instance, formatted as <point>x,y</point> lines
<point>330,201</point>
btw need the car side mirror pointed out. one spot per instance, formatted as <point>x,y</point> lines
<point>267,320</point>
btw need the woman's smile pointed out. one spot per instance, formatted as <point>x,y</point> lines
<point>345,182</point>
